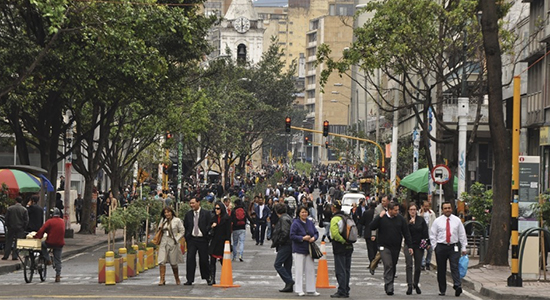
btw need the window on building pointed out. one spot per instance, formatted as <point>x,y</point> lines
<point>312,37</point>
<point>313,25</point>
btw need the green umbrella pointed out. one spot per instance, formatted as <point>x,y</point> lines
<point>418,181</point>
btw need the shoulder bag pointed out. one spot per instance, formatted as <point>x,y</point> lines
<point>158,235</point>
<point>314,250</point>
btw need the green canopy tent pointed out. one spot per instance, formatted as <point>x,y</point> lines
<point>418,181</point>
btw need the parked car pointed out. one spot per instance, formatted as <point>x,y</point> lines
<point>349,198</point>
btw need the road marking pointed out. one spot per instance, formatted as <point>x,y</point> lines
<point>133,297</point>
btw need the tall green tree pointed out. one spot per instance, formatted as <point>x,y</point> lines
<point>415,51</point>
<point>499,239</point>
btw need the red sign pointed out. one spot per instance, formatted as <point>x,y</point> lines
<point>441,174</point>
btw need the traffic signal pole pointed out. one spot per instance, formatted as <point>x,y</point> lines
<point>381,161</point>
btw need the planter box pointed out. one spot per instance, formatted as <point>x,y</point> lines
<point>118,270</point>
<point>101,271</point>
<point>140,261</point>
<point>150,257</point>
<point>131,260</point>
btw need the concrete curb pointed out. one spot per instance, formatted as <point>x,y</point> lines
<point>494,294</point>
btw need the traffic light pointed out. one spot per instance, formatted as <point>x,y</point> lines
<point>326,144</point>
<point>165,169</point>
<point>168,135</point>
<point>325,128</point>
<point>287,124</point>
<point>383,170</point>
<point>306,141</point>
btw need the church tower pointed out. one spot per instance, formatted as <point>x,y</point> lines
<point>242,32</point>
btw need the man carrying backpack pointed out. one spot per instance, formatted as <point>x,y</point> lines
<point>342,248</point>
<point>238,217</point>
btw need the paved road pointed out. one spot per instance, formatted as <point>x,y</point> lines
<point>256,276</point>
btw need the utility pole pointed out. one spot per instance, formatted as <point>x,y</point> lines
<point>395,139</point>
<point>463,109</point>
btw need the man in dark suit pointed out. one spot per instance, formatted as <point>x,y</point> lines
<point>365,221</point>
<point>196,223</point>
<point>17,219</point>
<point>36,215</point>
<point>262,217</point>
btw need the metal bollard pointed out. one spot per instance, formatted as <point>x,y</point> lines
<point>109,268</point>
<point>145,264</point>
<point>124,254</point>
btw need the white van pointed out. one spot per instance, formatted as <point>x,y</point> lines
<point>349,198</point>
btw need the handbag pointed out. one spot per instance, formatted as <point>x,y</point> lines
<point>315,251</point>
<point>158,237</point>
<point>423,244</point>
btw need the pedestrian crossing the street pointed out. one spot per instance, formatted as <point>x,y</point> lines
<point>244,273</point>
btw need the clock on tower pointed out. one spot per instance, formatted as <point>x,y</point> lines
<point>241,24</point>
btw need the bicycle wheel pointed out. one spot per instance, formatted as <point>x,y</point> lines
<point>42,268</point>
<point>28,268</point>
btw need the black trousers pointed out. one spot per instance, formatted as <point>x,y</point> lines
<point>260,231</point>
<point>417,264</point>
<point>195,245</point>
<point>372,248</point>
<point>444,252</point>
<point>11,241</point>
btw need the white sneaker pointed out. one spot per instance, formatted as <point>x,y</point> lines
<point>313,294</point>
<point>301,294</point>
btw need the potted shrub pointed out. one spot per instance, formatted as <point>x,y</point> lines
<point>479,202</point>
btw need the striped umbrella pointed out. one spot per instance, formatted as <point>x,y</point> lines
<point>18,182</point>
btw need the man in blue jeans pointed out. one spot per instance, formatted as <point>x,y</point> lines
<point>239,217</point>
<point>281,241</point>
<point>342,251</point>
<point>55,228</point>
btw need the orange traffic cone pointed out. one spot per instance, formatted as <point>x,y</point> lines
<point>322,271</point>
<point>226,280</point>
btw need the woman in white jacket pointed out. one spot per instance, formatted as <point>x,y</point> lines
<point>169,249</point>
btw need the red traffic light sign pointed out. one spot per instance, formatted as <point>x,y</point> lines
<point>325,128</point>
<point>287,124</point>
<point>441,174</point>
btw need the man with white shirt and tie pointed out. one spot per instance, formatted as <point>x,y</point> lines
<point>448,238</point>
<point>196,223</point>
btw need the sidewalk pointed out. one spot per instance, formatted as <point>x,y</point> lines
<point>492,281</point>
<point>80,243</point>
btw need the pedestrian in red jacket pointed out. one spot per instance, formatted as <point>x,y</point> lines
<point>55,228</point>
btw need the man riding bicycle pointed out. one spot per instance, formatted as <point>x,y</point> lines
<point>55,228</point>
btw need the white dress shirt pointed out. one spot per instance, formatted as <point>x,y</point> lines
<point>438,232</point>
<point>196,214</point>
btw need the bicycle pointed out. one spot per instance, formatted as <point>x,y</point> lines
<point>32,260</point>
